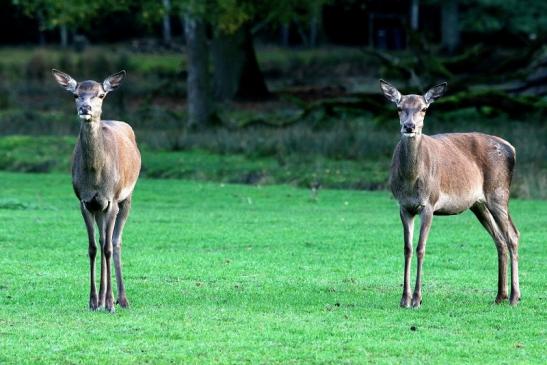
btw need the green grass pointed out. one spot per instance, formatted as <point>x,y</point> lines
<point>236,274</point>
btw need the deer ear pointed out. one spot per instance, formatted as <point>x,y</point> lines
<point>65,80</point>
<point>435,92</point>
<point>390,92</point>
<point>113,81</point>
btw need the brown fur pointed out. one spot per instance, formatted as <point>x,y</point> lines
<point>447,174</point>
<point>105,168</point>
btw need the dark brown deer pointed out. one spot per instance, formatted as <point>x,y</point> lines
<point>446,174</point>
<point>105,168</point>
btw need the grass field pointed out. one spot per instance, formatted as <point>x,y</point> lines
<point>238,274</point>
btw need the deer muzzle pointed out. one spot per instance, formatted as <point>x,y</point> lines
<point>409,129</point>
<point>84,112</point>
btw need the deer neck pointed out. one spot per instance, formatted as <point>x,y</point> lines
<point>411,157</point>
<point>92,142</point>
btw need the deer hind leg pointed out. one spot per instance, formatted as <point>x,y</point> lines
<point>125,207</point>
<point>513,243</point>
<point>92,251</point>
<point>426,218</point>
<point>510,234</point>
<point>484,215</point>
<point>408,229</point>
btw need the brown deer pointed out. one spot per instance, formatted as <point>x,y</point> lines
<point>446,174</point>
<point>105,168</point>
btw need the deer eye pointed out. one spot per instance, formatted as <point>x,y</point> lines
<point>102,96</point>
<point>75,96</point>
<point>399,109</point>
<point>424,110</point>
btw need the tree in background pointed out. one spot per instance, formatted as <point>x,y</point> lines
<point>198,90</point>
<point>450,25</point>
<point>166,22</point>
<point>237,74</point>
<point>155,11</point>
<point>515,16</point>
<point>304,16</point>
<point>414,14</point>
<point>195,16</point>
<point>236,71</point>
<point>450,22</point>
<point>66,16</point>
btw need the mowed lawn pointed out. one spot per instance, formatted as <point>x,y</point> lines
<point>241,274</point>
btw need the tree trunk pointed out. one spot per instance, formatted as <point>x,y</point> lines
<point>63,30</point>
<point>285,35</point>
<point>167,21</point>
<point>315,23</point>
<point>182,17</point>
<point>450,25</point>
<point>199,108</point>
<point>415,15</point>
<point>41,27</point>
<point>236,71</point>
<point>41,38</point>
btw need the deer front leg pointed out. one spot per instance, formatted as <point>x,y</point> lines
<point>100,219</point>
<point>111,214</point>
<point>408,229</point>
<point>92,251</point>
<point>426,217</point>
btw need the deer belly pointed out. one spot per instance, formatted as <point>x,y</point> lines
<point>126,191</point>
<point>448,204</point>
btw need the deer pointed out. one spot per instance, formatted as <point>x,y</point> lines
<point>105,167</point>
<point>446,174</point>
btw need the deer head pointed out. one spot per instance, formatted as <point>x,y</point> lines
<point>89,95</point>
<point>412,108</point>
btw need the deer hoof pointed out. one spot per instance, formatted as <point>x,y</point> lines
<point>515,299</point>
<point>123,302</point>
<point>416,301</point>
<point>500,298</point>
<point>405,301</point>
<point>110,305</point>
<point>93,305</point>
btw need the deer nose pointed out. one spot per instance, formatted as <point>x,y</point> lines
<point>409,127</point>
<point>85,109</point>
